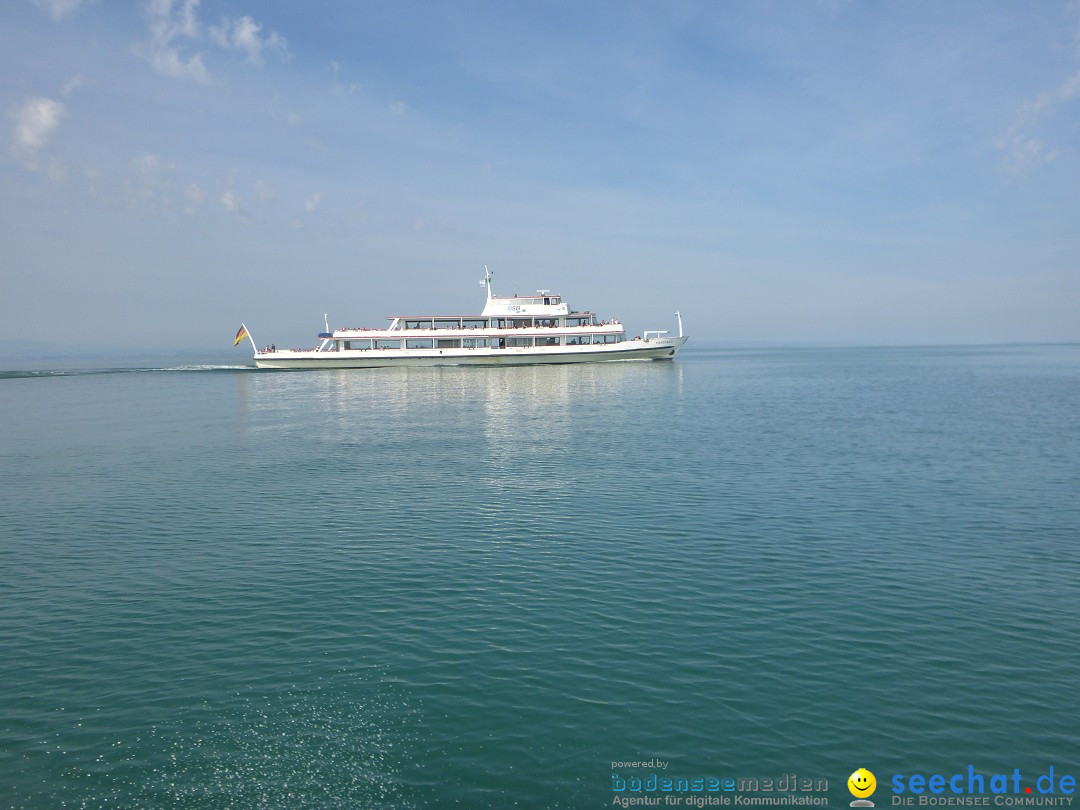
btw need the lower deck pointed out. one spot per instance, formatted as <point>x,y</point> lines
<point>656,349</point>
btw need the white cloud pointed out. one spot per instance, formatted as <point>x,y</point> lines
<point>58,9</point>
<point>264,191</point>
<point>151,180</point>
<point>73,84</point>
<point>167,25</point>
<point>35,123</point>
<point>148,166</point>
<point>174,25</point>
<point>194,198</point>
<point>231,201</point>
<point>311,204</point>
<point>1021,146</point>
<point>169,62</point>
<point>244,35</point>
<point>1023,152</point>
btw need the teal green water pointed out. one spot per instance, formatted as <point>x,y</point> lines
<point>472,587</point>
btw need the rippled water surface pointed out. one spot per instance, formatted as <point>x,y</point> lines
<point>479,587</point>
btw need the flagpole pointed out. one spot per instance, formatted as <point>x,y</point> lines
<point>254,348</point>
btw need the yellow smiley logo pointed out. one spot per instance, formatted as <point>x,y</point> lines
<point>861,783</point>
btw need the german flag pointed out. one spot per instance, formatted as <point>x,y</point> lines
<point>243,333</point>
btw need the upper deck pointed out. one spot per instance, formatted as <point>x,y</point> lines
<point>541,310</point>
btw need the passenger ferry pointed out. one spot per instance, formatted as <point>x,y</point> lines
<point>514,330</point>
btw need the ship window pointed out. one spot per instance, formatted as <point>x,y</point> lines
<point>388,343</point>
<point>575,340</point>
<point>519,341</point>
<point>448,323</point>
<point>520,323</point>
<point>498,323</point>
<point>577,321</point>
<point>448,343</point>
<point>547,341</point>
<point>357,344</point>
<point>418,343</point>
<point>474,343</point>
<point>474,323</point>
<point>417,324</point>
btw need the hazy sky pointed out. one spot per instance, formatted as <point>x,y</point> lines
<point>778,171</point>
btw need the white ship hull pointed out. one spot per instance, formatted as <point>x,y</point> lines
<point>638,349</point>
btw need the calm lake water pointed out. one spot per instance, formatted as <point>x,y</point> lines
<point>481,587</point>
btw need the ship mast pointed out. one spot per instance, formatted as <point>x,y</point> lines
<point>486,282</point>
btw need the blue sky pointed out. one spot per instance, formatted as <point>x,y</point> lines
<point>864,172</point>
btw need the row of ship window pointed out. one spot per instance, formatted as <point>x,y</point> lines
<point>496,323</point>
<point>477,343</point>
